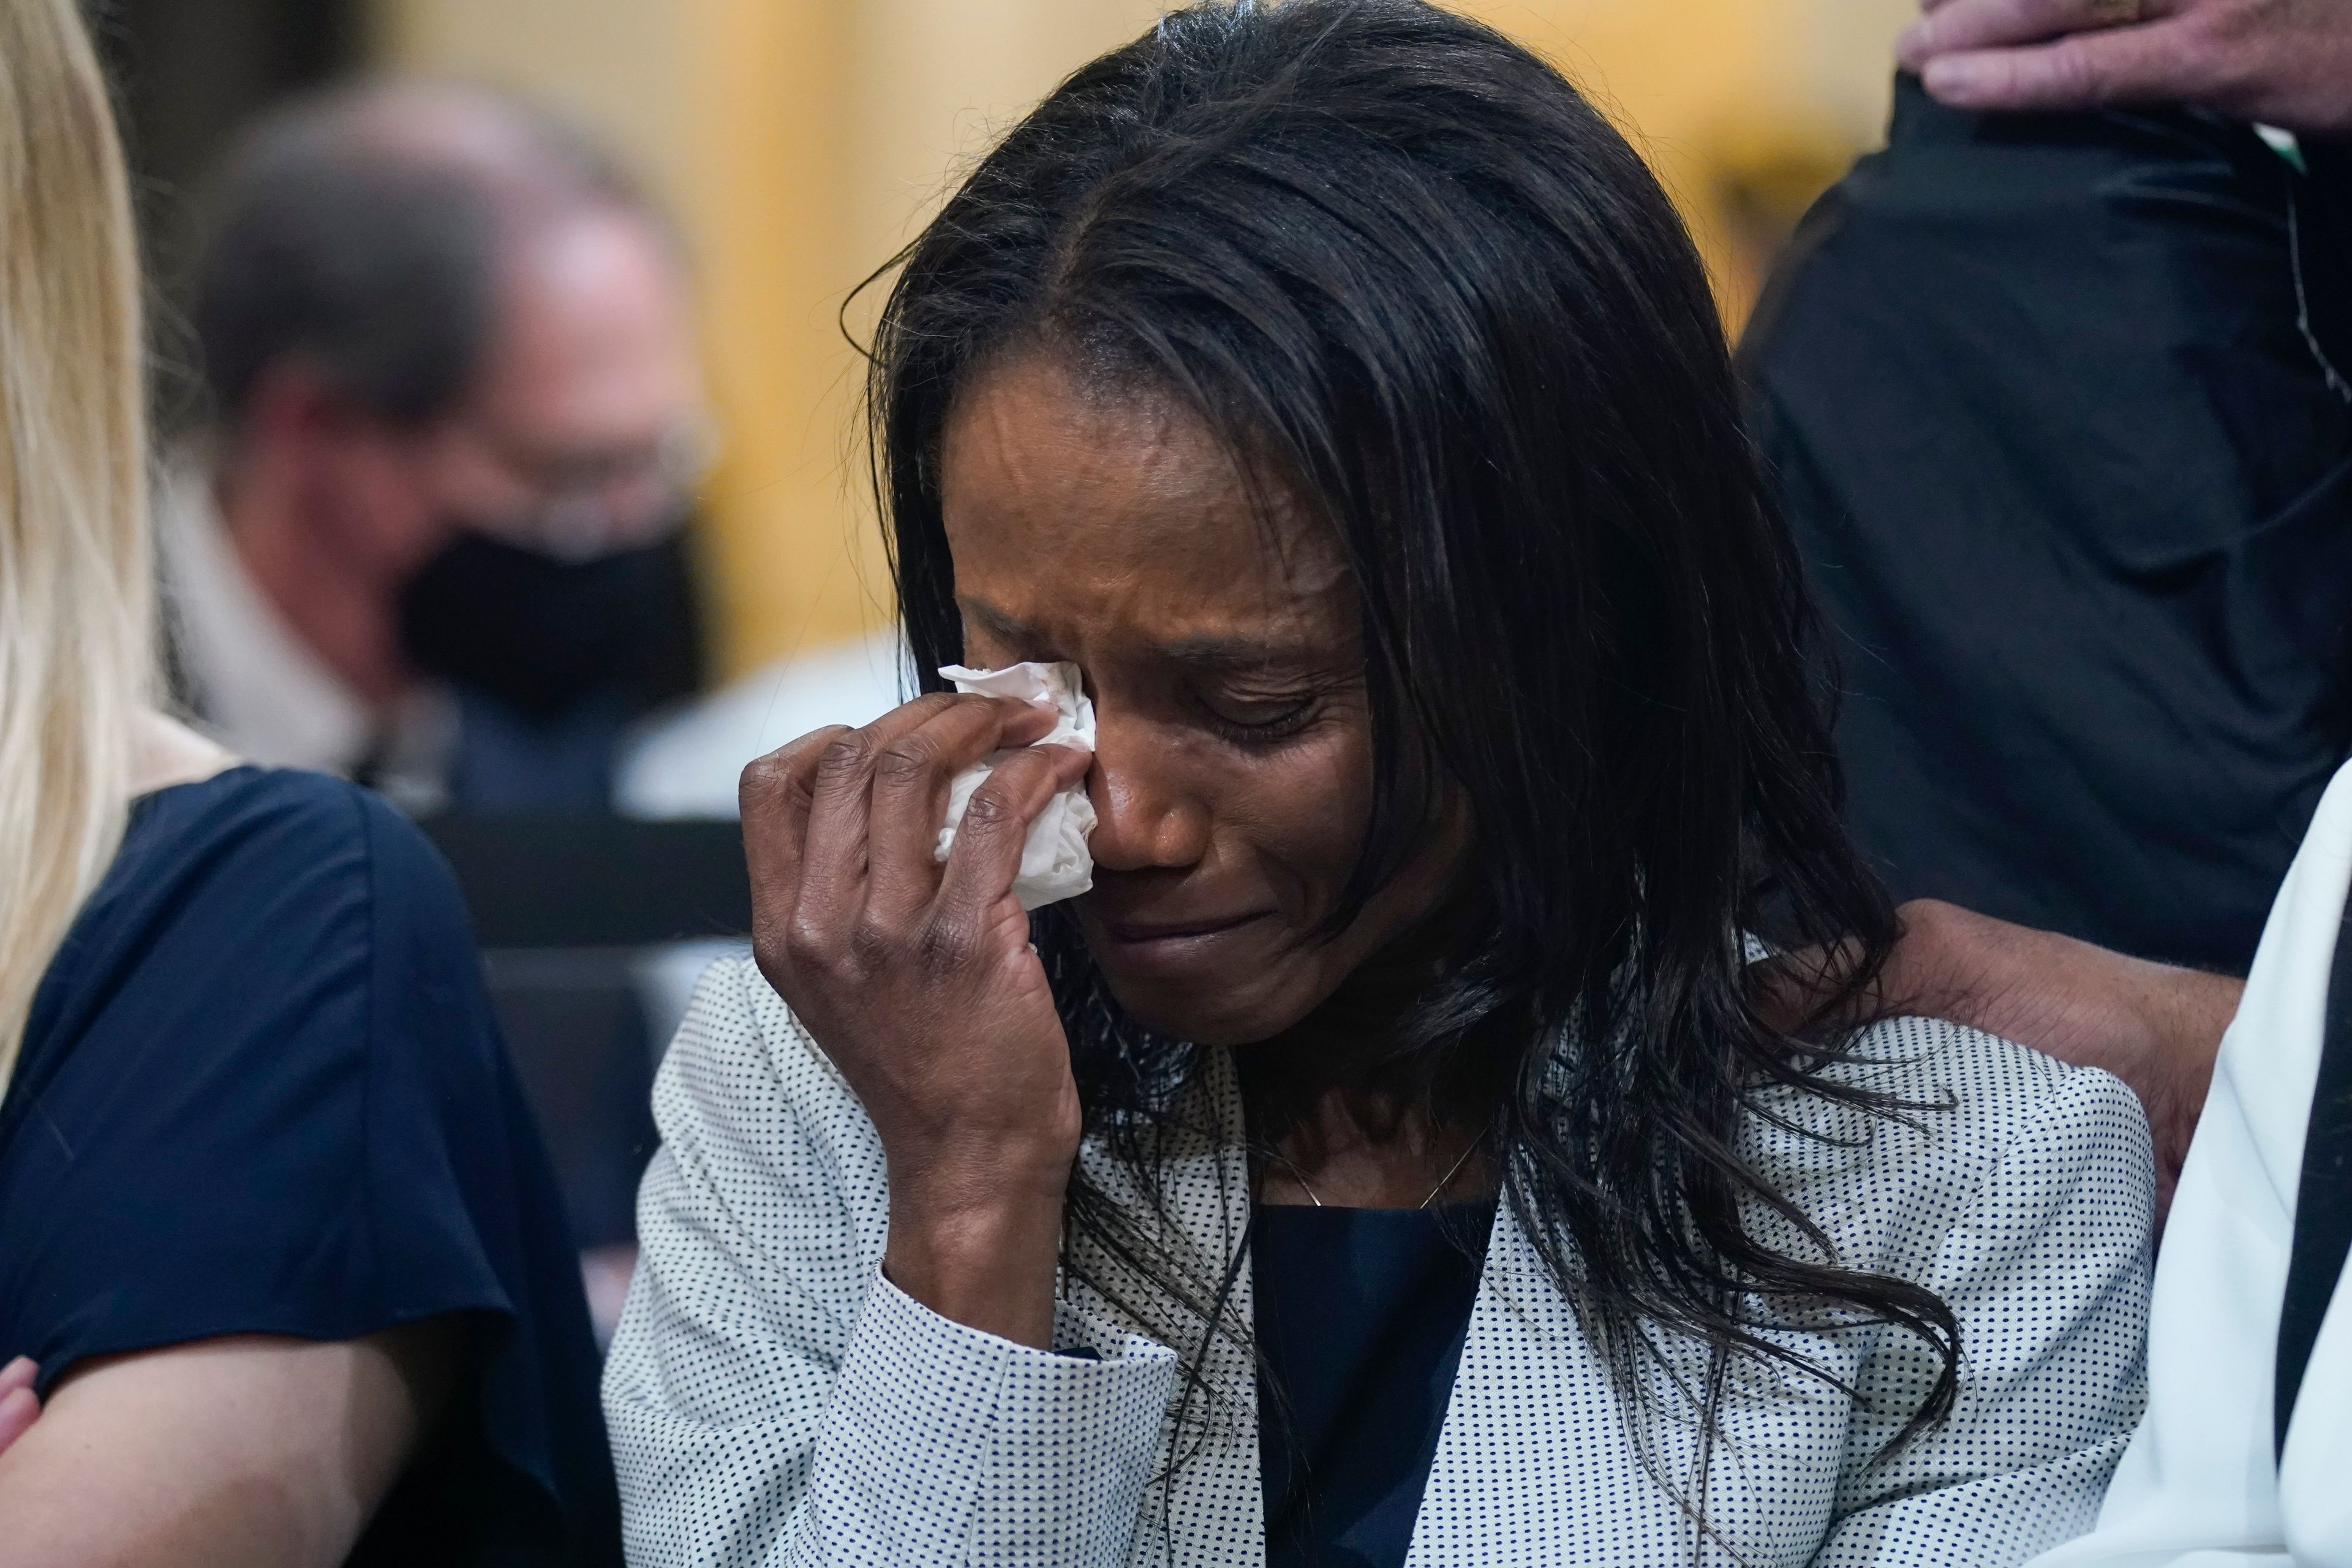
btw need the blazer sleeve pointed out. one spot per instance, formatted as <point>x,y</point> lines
<point>2047,1270</point>
<point>773,1399</point>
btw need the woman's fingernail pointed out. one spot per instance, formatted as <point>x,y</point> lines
<point>1952,76</point>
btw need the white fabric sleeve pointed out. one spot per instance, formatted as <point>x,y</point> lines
<point>773,1399</point>
<point>2047,1272</point>
<point>2199,1488</point>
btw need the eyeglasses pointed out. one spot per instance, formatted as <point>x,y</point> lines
<point>593,504</point>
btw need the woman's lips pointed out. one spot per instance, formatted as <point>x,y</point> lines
<point>1157,944</point>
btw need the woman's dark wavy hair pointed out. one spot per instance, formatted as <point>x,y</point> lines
<point>1406,270</point>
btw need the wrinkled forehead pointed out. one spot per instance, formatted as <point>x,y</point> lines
<point>1102,514</point>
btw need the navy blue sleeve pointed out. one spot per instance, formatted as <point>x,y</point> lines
<point>262,1091</point>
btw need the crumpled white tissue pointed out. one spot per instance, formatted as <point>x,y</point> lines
<point>1055,864</point>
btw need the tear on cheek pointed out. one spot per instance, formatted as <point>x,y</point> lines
<point>1055,861</point>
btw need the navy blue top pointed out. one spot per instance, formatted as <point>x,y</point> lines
<point>1360,1318</point>
<point>261,1091</point>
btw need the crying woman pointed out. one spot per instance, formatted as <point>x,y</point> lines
<point>1392,1157</point>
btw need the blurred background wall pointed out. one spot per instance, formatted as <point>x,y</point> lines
<point>802,142</point>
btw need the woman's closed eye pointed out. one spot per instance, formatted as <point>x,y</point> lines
<point>1258,720</point>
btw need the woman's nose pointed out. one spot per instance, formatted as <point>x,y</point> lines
<point>1144,817</point>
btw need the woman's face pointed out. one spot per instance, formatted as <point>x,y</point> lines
<point>1232,763</point>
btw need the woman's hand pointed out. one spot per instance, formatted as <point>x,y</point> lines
<point>19,1405</point>
<point>919,982</point>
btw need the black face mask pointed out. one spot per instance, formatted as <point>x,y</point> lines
<point>540,635</point>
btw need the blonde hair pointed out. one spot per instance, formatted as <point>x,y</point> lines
<point>77,594</point>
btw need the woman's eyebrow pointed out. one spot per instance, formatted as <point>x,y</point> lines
<point>1226,655</point>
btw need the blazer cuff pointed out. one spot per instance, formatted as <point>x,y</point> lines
<point>945,1443</point>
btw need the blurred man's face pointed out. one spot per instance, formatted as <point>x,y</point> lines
<point>586,426</point>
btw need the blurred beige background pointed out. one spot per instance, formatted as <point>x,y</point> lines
<point>802,142</point>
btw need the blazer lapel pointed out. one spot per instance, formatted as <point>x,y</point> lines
<point>1534,1436</point>
<point>1206,1507</point>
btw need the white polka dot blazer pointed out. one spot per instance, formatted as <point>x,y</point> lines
<point>774,1400</point>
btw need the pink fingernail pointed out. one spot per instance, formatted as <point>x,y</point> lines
<point>1951,76</point>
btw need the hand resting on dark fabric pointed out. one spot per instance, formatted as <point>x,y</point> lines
<point>2279,62</point>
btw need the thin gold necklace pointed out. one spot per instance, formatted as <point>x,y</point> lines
<point>1443,1182</point>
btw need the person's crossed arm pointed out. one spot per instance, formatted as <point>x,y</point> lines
<point>2287,63</point>
<point>252,1451</point>
<point>18,1404</point>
